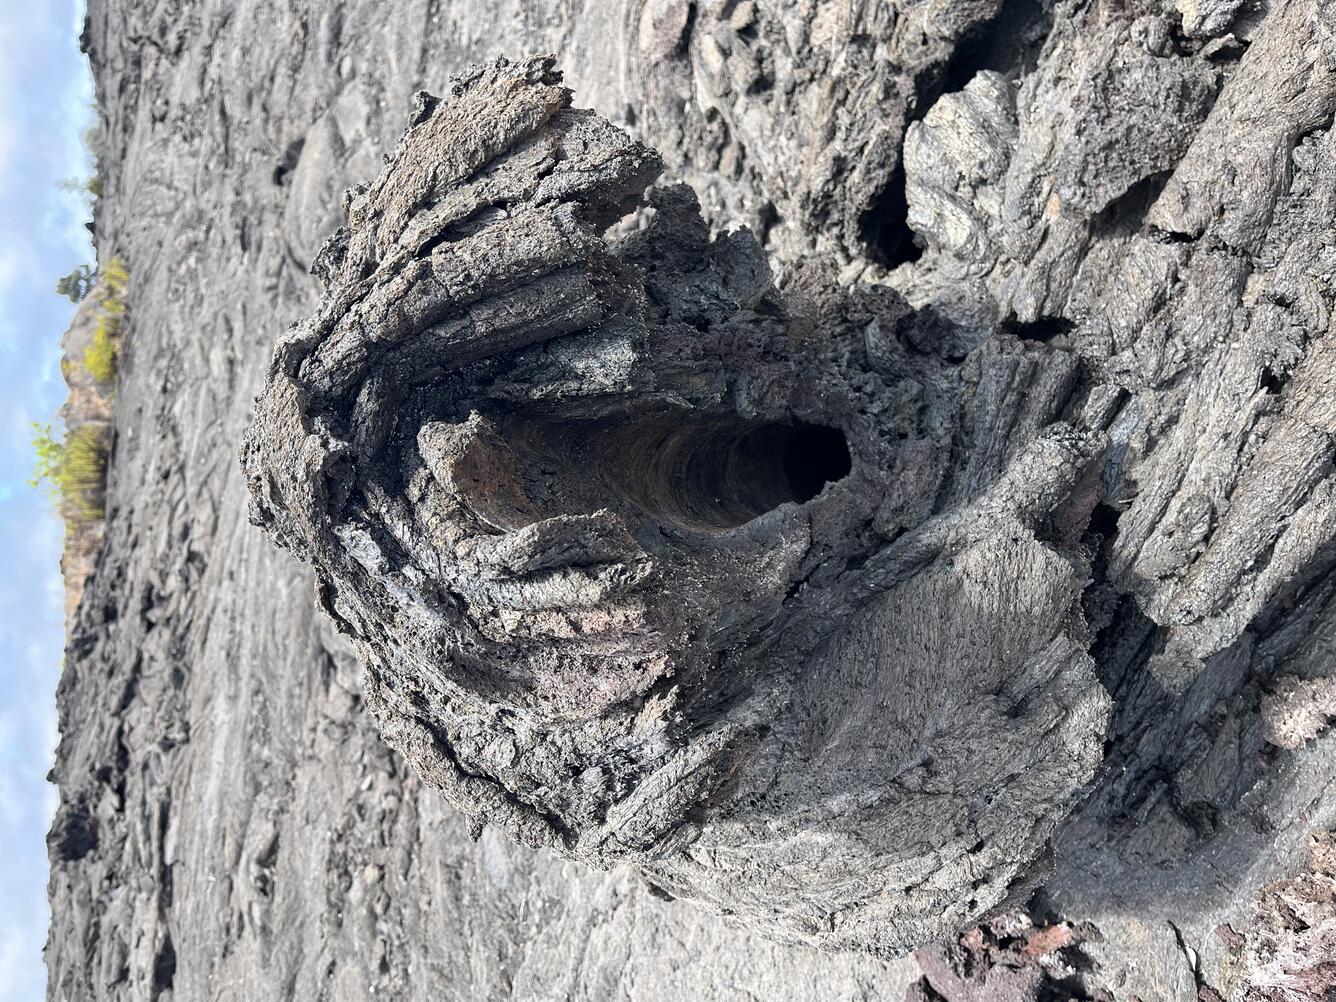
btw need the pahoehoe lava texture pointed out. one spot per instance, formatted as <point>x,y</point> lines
<point>648,561</point>
<point>850,614</point>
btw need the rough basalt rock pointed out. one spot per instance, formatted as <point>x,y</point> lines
<point>1057,275</point>
<point>1290,949</point>
<point>648,560</point>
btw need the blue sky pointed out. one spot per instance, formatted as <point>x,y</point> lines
<point>45,102</point>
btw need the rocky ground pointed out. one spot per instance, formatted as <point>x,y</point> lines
<point>1110,216</point>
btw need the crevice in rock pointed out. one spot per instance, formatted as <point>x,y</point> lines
<point>812,456</point>
<point>164,967</point>
<point>882,227</point>
<point>287,163</point>
<point>1008,42</point>
<point>1121,650</point>
<point>1041,330</point>
<point>73,834</point>
<point>1126,214</point>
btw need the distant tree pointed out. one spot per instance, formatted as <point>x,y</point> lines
<point>91,185</point>
<point>76,284</point>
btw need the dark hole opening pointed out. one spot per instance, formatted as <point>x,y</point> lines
<point>1170,236</point>
<point>1008,42</point>
<point>1270,381</point>
<point>720,474</point>
<point>695,471</point>
<point>164,967</point>
<point>288,162</point>
<point>1104,521</point>
<point>1041,330</point>
<point>1229,51</point>
<point>717,473</point>
<point>882,227</point>
<point>74,834</point>
<point>813,457</point>
<point>1127,213</point>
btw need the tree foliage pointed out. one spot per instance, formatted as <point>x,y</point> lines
<point>73,468</point>
<point>77,284</point>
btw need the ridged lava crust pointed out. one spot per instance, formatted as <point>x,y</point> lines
<point>648,561</point>
<point>572,475</point>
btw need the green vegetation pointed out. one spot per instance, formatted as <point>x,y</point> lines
<point>81,186</point>
<point>74,469</point>
<point>100,355</point>
<point>90,189</point>
<point>77,284</point>
<point>116,275</point>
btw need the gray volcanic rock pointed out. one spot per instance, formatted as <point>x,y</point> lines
<point>588,511</point>
<point>1058,277</point>
<point>1291,948</point>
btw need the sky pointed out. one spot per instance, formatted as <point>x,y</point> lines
<point>45,107</point>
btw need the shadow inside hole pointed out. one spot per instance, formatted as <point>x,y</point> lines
<point>706,474</point>
<point>813,457</point>
<point>1041,330</point>
<point>883,229</point>
<point>718,474</point>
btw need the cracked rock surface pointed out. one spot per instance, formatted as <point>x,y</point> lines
<point>648,561</point>
<point>941,563</point>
